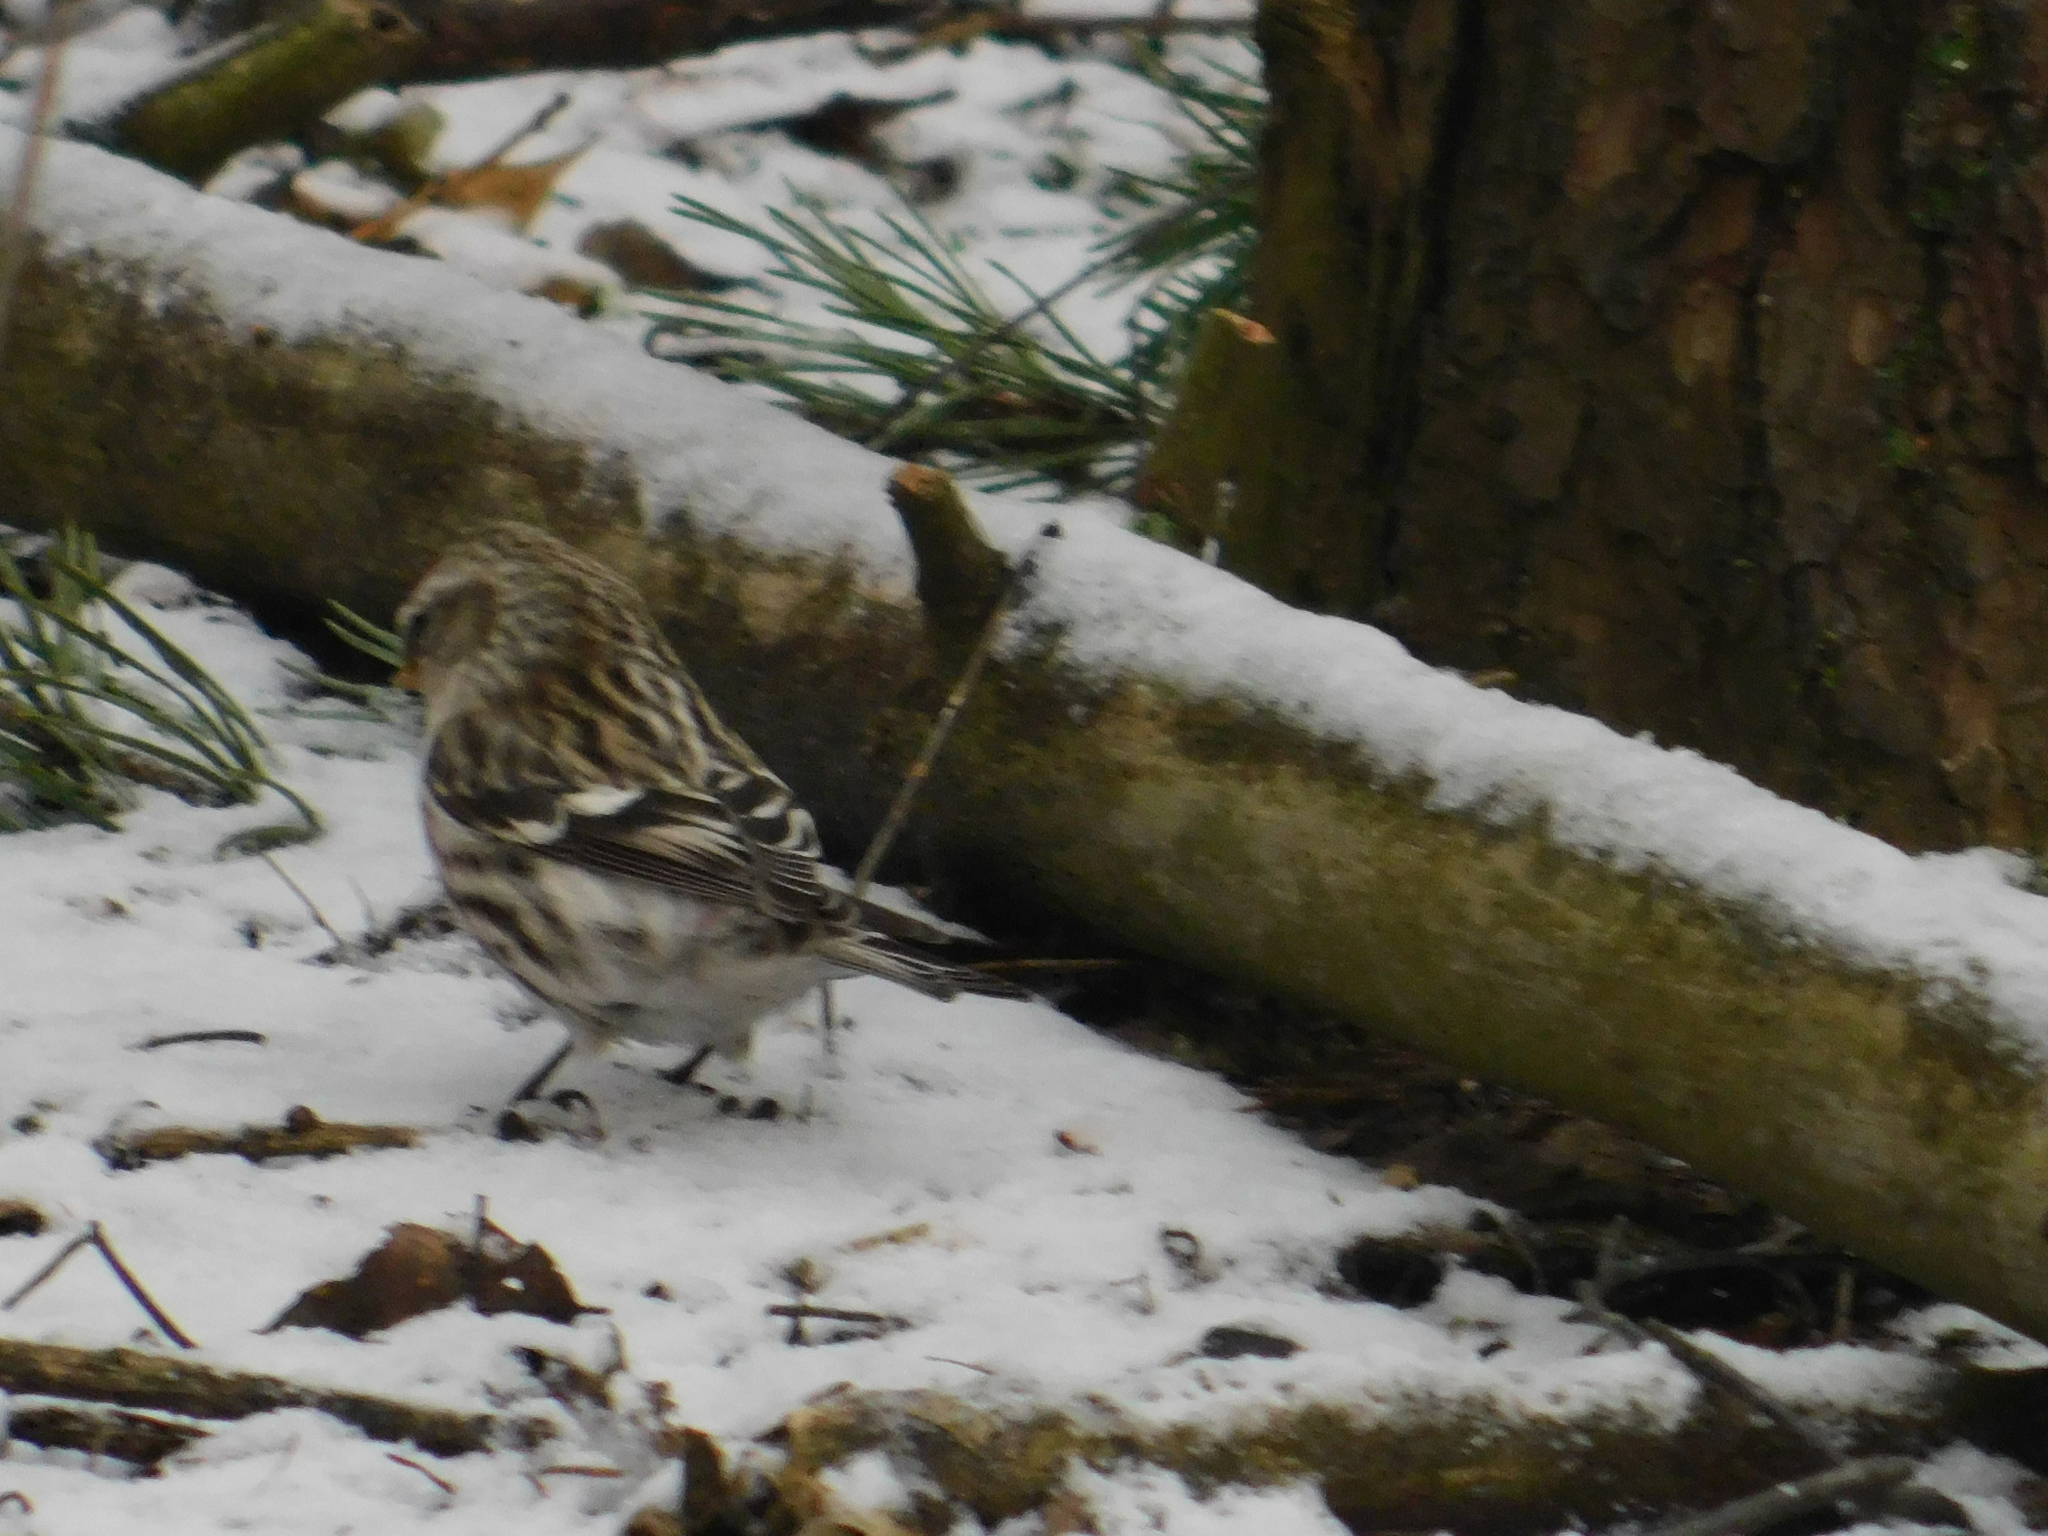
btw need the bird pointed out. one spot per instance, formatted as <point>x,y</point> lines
<point>607,839</point>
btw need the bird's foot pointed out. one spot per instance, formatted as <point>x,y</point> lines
<point>565,1112</point>
<point>684,1074</point>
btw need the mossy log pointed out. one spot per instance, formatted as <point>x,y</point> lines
<point>132,1378</point>
<point>318,427</point>
<point>139,1439</point>
<point>1471,1466</point>
<point>268,85</point>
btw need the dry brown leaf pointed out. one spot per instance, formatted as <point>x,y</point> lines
<point>420,1269</point>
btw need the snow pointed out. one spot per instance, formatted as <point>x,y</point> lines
<point>920,1175</point>
<point>1135,1503</point>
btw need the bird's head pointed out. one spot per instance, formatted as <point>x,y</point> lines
<point>508,601</point>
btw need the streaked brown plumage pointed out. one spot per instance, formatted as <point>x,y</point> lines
<point>607,839</point>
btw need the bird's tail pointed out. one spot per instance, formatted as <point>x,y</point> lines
<point>870,955</point>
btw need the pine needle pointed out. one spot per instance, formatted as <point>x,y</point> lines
<point>94,700</point>
<point>933,366</point>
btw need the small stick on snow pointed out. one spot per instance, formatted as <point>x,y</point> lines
<point>204,1037</point>
<point>1710,1368</point>
<point>94,1237</point>
<point>306,902</point>
<point>798,1312</point>
<point>942,727</point>
<point>428,1473</point>
<point>126,1276</point>
<point>1760,1511</point>
<point>28,1287</point>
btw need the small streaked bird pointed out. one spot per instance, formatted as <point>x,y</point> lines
<point>604,836</point>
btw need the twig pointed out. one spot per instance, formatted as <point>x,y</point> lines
<point>204,1037</point>
<point>14,232</point>
<point>306,901</point>
<point>1709,1367</point>
<point>801,1312</point>
<point>1851,1480</point>
<point>803,1309</point>
<point>942,727</point>
<point>428,1473</point>
<point>63,1257</point>
<point>126,1276</point>
<point>94,1237</point>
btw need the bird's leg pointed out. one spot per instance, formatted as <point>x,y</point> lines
<point>685,1073</point>
<point>530,1089</point>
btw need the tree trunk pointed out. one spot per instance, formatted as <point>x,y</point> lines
<point>1162,751</point>
<point>1683,361</point>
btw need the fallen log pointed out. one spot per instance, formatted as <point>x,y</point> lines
<point>1471,1465</point>
<point>131,1378</point>
<point>468,39</point>
<point>267,84</point>
<point>140,1439</point>
<point>1851,1034</point>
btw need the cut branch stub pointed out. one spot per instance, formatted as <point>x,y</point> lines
<point>282,77</point>
<point>960,575</point>
<point>1200,449</point>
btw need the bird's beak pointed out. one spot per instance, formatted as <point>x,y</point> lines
<point>407,676</point>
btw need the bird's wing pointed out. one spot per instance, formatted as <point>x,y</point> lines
<point>741,839</point>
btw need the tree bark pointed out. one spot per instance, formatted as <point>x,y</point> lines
<point>320,428</point>
<point>1683,361</point>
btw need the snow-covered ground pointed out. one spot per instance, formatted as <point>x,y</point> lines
<point>993,1173</point>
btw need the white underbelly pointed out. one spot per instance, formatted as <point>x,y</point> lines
<point>626,957</point>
